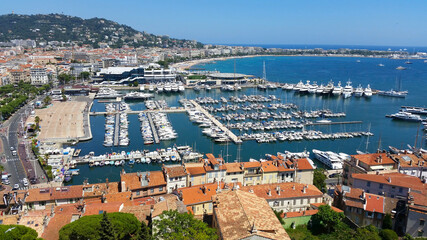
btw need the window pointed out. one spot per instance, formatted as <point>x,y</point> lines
<point>422,221</point>
<point>420,233</point>
<point>138,193</point>
<point>369,215</point>
<point>381,186</point>
<point>152,190</point>
<point>400,190</point>
<point>210,206</point>
<point>379,216</point>
<point>160,189</point>
<point>42,203</point>
<point>192,179</point>
<point>368,184</point>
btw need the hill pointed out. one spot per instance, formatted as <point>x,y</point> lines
<point>63,28</point>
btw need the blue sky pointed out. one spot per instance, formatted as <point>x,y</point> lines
<point>362,22</point>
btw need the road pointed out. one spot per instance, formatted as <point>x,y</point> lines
<point>15,164</point>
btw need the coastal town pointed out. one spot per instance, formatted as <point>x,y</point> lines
<point>53,94</point>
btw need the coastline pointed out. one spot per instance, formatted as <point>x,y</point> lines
<point>183,66</point>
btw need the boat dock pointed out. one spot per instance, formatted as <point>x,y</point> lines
<point>169,110</point>
<point>332,123</point>
<point>116,130</point>
<point>229,133</point>
<point>153,128</point>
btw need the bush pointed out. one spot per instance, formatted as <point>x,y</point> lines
<point>387,234</point>
<point>124,225</point>
<point>17,232</point>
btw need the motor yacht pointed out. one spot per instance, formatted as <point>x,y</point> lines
<point>338,89</point>
<point>359,91</point>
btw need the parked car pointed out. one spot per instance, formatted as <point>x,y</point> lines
<point>33,181</point>
<point>15,187</point>
<point>12,148</point>
<point>14,153</point>
<point>25,182</point>
<point>6,182</point>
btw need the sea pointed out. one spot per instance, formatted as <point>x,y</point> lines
<point>371,112</point>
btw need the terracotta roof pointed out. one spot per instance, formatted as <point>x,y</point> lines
<point>141,212</point>
<point>303,164</point>
<point>252,164</point>
<point>62,217</point>
<point>212,159</point>
<point>152,179</point>
<point>95,190</point>
<point>373,159</point>
<point>374,203</point>
<point>195,170</point>
<point>420,199</point>
<point>268,167</point>
<point>286,190</point>
<point>409,160</point>
<point>47,194</point>
<point>175,171</point>
<point>300,213</point>
<point>121,197</point>
<point>201,193</point>
<point>98,208</point>
<point>241,215</point>
<point>396,179</point>
<point>234,167</point>
<point>169,203</point>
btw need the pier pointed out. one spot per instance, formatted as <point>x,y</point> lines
<point>153,128</point>
<point>229,133</point>
<point>169,110</point>
<point>116,130</point>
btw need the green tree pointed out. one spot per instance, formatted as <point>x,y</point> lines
<point>17,232</point>
<point>367,233</point>
<point>326,220</point>
<point>279,216</point>
<point>145,232</point>
<point>319,178</point>
<point>387,222</point>
<point>124,225</point>
<point>106,232</point>
<point>174,225</point>
<point>84,75</point>
<point>135,83</point>
<point>47,100</point>
<point>388,234</point>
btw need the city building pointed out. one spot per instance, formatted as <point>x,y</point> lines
<point>39,76</point>
<point>143,184</point>
<point>176,177</point>
<point>196,174</point>
<point>243,215</point>
<point>411,164</point>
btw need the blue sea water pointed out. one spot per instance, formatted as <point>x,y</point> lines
<point>290,70</point>
<point>410,49</point>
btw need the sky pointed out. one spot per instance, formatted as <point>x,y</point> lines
<point>333,22</point>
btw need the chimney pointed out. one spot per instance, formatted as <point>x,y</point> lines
<point>389,179</point>
<point>303,213</point>
<point>285,215</point>
<point>251,190</point>
<point>269,192</point>
<point>380,160</point>
<point>293,187</point>
<point>278,190</point>
<point>303,189</point>
<point>123,186</point>
<point>254,230</point>
<point>203,190</point>
<point>363,194</point>
<point>410,162</point>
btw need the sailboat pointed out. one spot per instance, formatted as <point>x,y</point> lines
<point>367,143</point>
<point>394,93</point>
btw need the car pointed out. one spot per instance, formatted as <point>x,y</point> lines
<point>14,153</point>
<point>6,182</point>
<point>12,148</point>
<point>15,187</point>
<point>33,180</point>
<point>334,175</point>
<point>25,182</point>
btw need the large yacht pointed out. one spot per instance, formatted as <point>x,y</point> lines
<point>320,89</point>
<point>313,87</point>
<point>330,159</point>
<point>304,88</point>
<point>368,91</point>
<point>348,90</point>
<point>406,116</point>
<point>359,91</point>
<point>328,88</point>
<point>298,86</point>
<point>338,89</point>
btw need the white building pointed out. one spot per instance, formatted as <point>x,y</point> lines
<point>39,76</point>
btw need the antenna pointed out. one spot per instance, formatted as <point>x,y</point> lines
<point>238,153</point>
<point>264,74</point>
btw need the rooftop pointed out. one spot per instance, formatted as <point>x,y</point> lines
<point>241,215</point>
<point>373,159</point>
<point>175,171</point>
<point>283,190</point>
<point>395,179</point>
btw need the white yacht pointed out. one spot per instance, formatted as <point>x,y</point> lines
<point>304,88</point>
<point>320,89</point>
<point>328,88</point>
<point>406,116</point>
<point>181,88</point>
<point>313,88</point>
<point>174,87</point>
<point>348,90</point>
<point>359,91</point>
<point>167,88</point>
<point>298,86</point>
<point>338,89</point>
<point>368,91</point>
<point>159,87</point>
<point>328,158</point>
<point>151,88</point>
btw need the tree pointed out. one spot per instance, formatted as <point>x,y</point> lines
<point>326,220</point>
<point>47,100</point>
<point>106,232</point>
<point>387,222</point>
<point>17,232</point>
<point>319,178</point>
<point>145,232</point>
<point>174,225</point>
<point>367,233</point>
<point>124,225</point>
<point>388,234</point>
<point>135,83</point>
<point>84,75</point>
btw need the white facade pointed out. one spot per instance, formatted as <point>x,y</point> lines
<point>39,76</point>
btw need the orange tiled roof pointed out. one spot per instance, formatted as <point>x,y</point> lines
<point>374,203</point>
<point>234,167</point>
<point>372,159</point>
<point>132,181</point>
<point>268,166</point>
<point>414,161</point>
<point>396,179</point>
<point>47,194</point>
<point>62,217</point>
<point>287,190</point>
<point>252,164</point>
<point>300,213</point>
<point>200,193</point>
<point>175,171</point>
<point>97,208</point>
<point>196,170</point>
